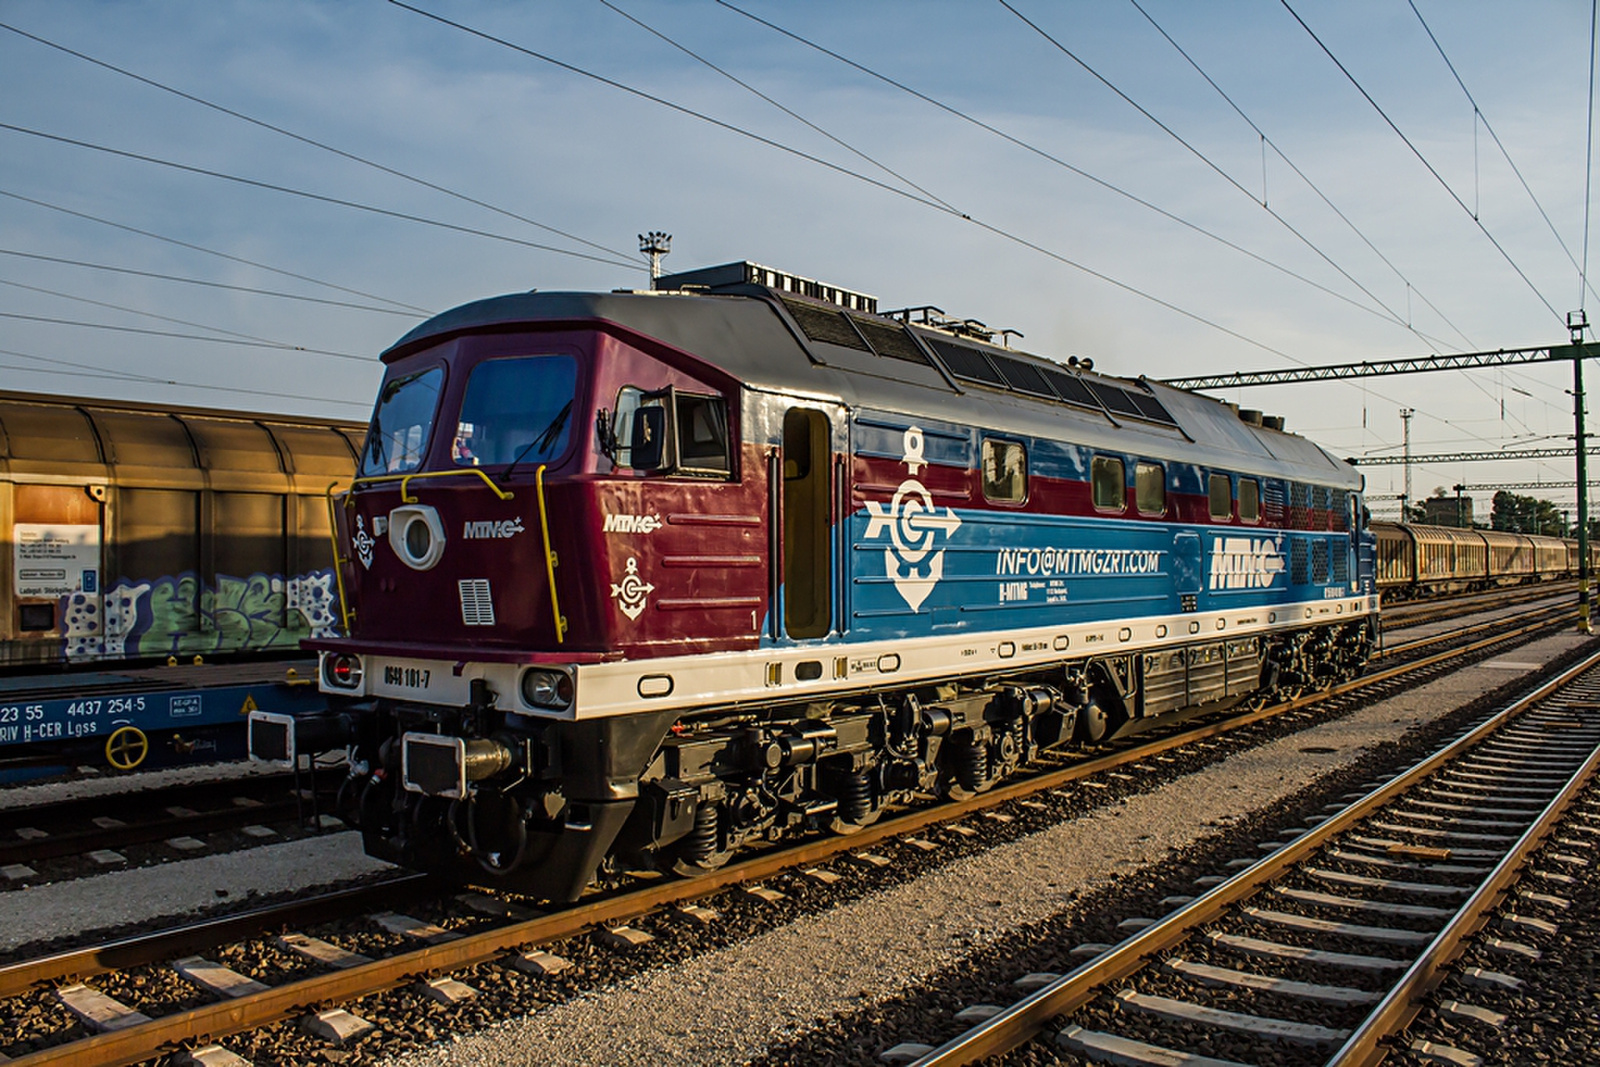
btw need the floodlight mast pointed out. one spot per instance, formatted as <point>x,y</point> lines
<point>655,244</point>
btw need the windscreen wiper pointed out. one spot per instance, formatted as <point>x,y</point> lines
<point>542,442</point>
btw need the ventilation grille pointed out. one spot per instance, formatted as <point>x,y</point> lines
<point>1299,569</point>
<point>1319,562</point>
<point>1273,501</point>
<point>1299,506</point>
<point>1341,568</point>
<point>890,341</point>
<point>477,607</point>
<point>967,363</point>
<point>991,368</point>
<point>821,324</point>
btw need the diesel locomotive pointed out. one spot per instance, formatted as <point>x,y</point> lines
<point>632,579</point>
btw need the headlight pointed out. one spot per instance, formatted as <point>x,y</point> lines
<point>545,688</point>
<point>342,671</point>
<point>417,535</point>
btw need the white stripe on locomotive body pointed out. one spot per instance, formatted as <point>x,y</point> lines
<point>769,675</point>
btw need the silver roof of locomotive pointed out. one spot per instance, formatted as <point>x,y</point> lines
<point>752,333</point>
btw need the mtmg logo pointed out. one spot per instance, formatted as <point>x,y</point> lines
<point>1245,562</point>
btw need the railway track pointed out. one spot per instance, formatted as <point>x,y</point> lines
<point>1353,923</point>
<point>66,837</point>
<point>467,940</point>
<point>1419,612</point>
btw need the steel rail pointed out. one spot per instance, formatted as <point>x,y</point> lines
<point>145,1040</point>
<point>1027,1017</point>
<point>1404,1001</point>
<point>142,949</point>
<point>1547,615</point>
<point>78,842</point>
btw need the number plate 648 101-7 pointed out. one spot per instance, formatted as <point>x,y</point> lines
<point>406,677</point>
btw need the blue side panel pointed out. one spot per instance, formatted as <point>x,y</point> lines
<point>920,570</point>
<point>67,719</point>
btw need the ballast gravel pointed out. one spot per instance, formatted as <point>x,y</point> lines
<point>731,1004</point>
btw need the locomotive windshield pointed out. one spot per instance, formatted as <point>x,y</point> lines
<point>398,437</point>
<point>516,410</point>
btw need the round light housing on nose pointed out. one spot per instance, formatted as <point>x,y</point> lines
<point>341,670</point>
<point>546,688</point>
<point>417,535</point>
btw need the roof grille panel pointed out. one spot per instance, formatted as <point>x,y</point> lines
<point>892,342</point>
<point>1070,387</point>
<point>1151,408</point>
<point>968,363</point>
<point>1116,400</point>
<point>1023,377</point>
<point>822,324</point>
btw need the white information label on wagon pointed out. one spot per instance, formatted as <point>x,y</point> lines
<point>56,559</point>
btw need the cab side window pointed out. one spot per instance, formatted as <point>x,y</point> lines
<point>702,425</point>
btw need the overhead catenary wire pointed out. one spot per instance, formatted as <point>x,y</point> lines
<point>252,290</point>
<point>862,68</point>
<point>87,370</point>
<point>211,251</point>
<point>1211,164</point>
<point>136,311</point>
<point>353,157</point>
<point>1479,116</point>
<point>914,197</point>
<point>1050,157</point>
<point>277,345</point>
<point>1424,161</point>
<point>852,149</point>
<point>1268,142</point>
<point>306,194</point>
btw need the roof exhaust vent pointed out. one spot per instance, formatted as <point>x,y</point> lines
<point>1272,422</point>
<point>1250,415</point>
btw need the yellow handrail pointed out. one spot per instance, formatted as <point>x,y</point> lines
<point>405,481</point>
<point>338,563</point>
<point>549,558</point>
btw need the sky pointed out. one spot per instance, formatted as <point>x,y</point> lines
<point>1056,168</point>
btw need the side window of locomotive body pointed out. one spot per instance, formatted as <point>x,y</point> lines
<point>695,426</point>
<point>402,423</point>
<point>1150,488</point>
<point>1249,500</point>
<point>1220,490</point>
<point>1005,472</point>
<point>1110,481</point>
<point>702,426</point>
<point>516,409</point>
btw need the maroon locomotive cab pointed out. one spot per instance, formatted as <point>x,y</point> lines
<point>560,492</point>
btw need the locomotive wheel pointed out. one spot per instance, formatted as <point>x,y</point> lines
<point>127,747</point>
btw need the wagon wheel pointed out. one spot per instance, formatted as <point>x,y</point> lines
<point>127,747</point>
